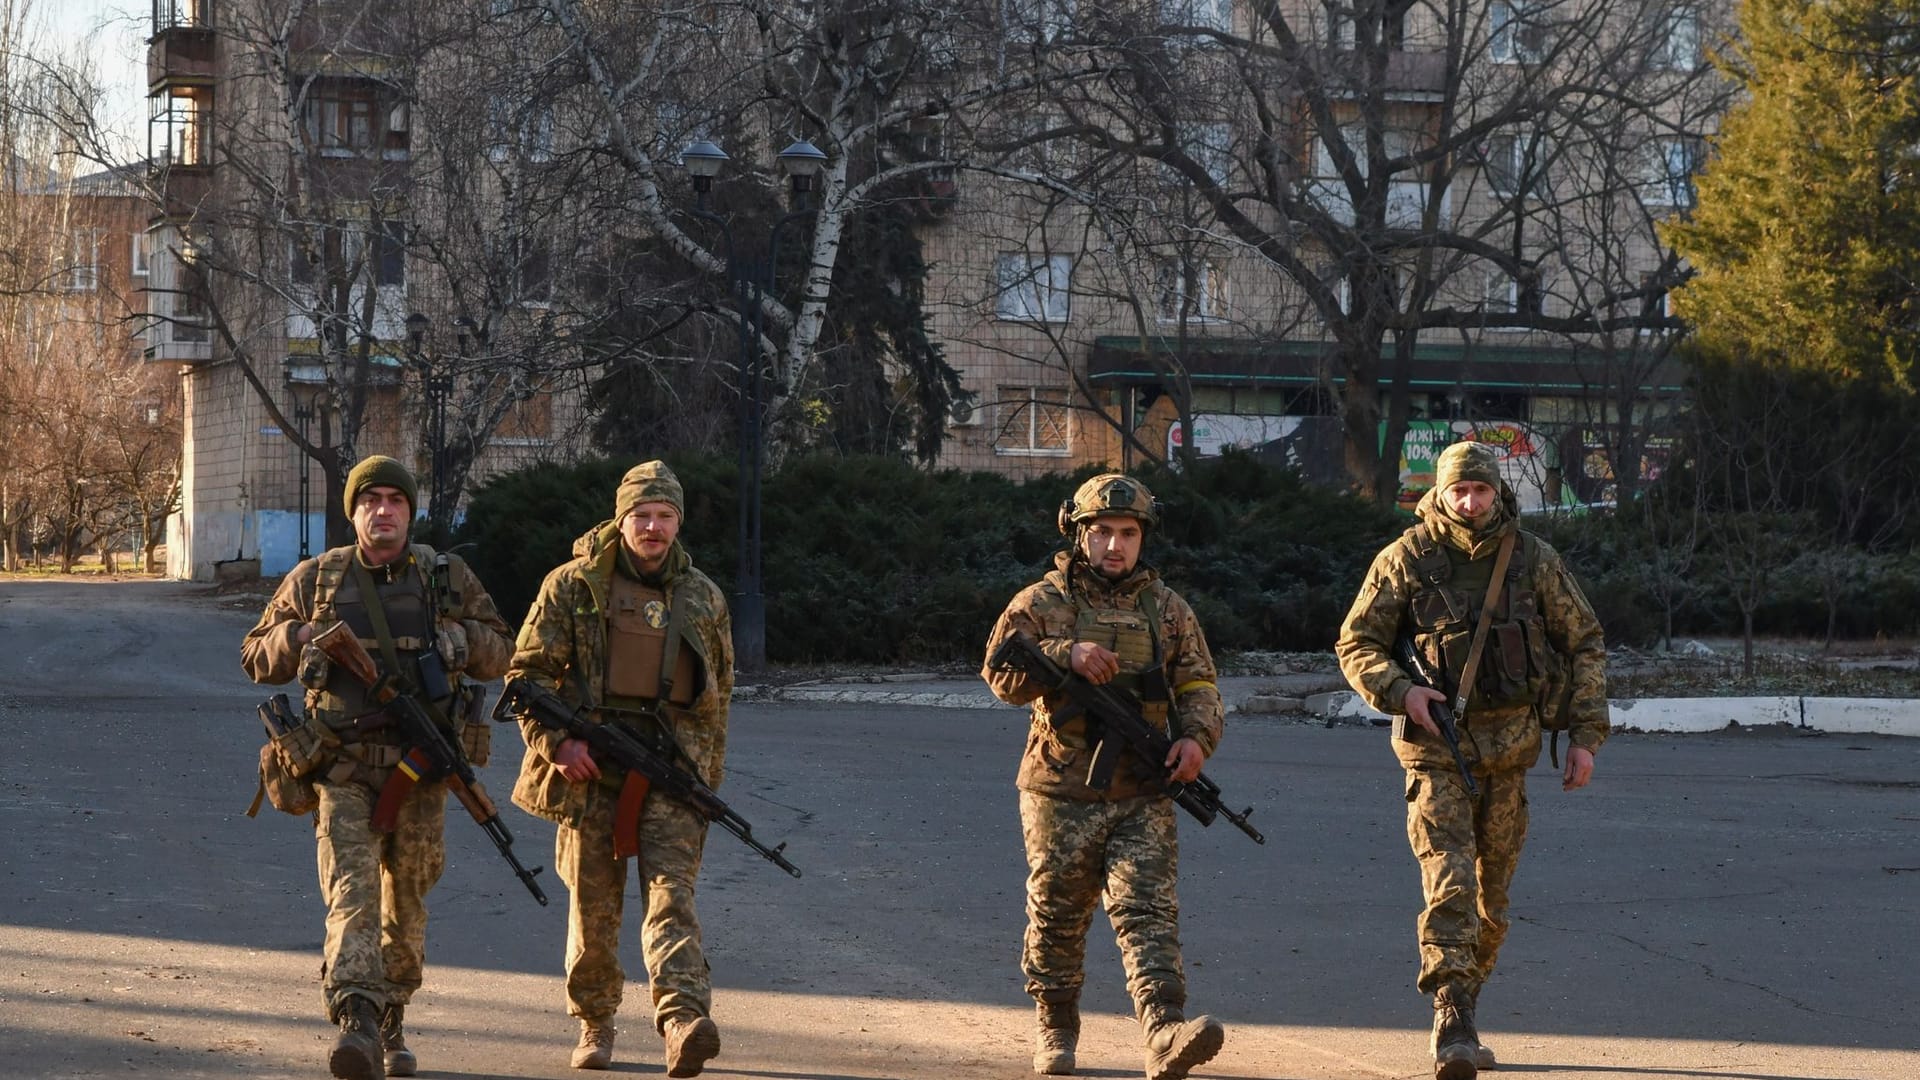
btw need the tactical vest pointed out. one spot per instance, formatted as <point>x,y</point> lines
<point>648,659</point>
<point>410,615</point>
<point>1518,661</point>
<point>1133,636</point>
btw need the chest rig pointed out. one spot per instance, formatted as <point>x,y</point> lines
<point>649,662</point>
<point>1446,604</point>
<point>1133,636</point>
<point>399,599</point>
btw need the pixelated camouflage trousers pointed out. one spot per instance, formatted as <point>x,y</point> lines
<point>1079,852</point>
<point>375,886</point>
<point>672,838</point>
<point>1468,849</point>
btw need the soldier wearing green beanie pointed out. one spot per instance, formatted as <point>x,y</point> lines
<point>1541,666</point>
<point>632,629</point>
<point>414,610</point>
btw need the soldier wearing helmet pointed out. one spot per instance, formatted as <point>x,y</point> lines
<point>1109,618</point>
<point>1541,663</point>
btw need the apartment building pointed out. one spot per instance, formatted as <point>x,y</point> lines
<point>1314,225</point>
<point>1515,231</point>
<point>307,285</point>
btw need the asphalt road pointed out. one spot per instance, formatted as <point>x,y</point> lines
<point>1733,905</point>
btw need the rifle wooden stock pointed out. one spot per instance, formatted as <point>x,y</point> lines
<point>613,744</point>
<point>343,648</point>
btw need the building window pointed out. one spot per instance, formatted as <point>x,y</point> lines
<point>1032,288</point>
<point>1512,164</point>
<point>80,263</point>
<point>139,258</point>
<point>519,128</point>
<point>390,254</point>
<point>1210,145</point>
<point>180,128</point>
<point>1670,165</point>
<point>1206,14</point>
<point>1518,32</point>
<point>1033,420</point>
<point>530,269</point>
<point>190,308</point>
<point>1677,46</point>
<point>1193,291</point>
<point>346,119</point>
<point>169,14</point>
<point>527,422</point>
<point>1035,21</point>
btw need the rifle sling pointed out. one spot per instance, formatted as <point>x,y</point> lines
<point>1464,688</point>
<point>377,615</point>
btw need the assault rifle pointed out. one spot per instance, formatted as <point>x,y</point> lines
<point>1118,720</point>
<point>430,754</point>
<point>645,768</point>
<point>1423,674</point>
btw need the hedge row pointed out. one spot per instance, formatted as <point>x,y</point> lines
<point>871,560</point>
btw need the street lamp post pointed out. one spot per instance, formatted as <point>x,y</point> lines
<point>753,280</point>
<point>438,385</point>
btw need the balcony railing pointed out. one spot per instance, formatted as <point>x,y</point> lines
<point>182,15</point>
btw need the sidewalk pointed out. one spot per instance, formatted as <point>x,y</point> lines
<point>1324,699</point>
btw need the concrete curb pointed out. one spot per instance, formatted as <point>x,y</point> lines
<point>1862,716</point>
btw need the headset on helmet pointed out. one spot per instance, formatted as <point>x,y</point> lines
<point>1105,495</point>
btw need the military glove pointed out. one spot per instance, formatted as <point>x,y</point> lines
<point>453,645</point>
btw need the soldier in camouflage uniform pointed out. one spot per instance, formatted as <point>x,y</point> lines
<point>632,629</point>
<point>408,606</point>
<point>1110,619</point>
<point>1544,662</point>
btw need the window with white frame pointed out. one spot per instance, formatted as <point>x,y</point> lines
<point>1670,164</point>
<point>530,269</point>
<point>80,263</point>
<point>139,259</point>
<point>1206,14</point>
<point>1210,145</point>
<point>1338,29</point>
<point>519,128</point>
<point>1033,420</point>
<point>1032,288</point>
<point>1658,306</point>
<point>1038,20</point>
<point>1195,291</point>
<point>1677,47</point>
<point>1513,162</point>
<point>1517,32</point>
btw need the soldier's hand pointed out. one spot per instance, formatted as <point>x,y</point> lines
<point>1184,758</point>
<point>1579,768</point>
<point>1094,663</point>
<point>575,762</point>
<point>1416,707</point>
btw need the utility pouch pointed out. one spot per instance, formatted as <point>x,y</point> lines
<point>1509,666</point>
<point>476,735</point>
<point>432,676</point>
<point>297,747</point>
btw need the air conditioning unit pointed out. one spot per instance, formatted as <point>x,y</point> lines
<point>965,410</point>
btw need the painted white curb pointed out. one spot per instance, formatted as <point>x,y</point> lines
<point>1862,716</point>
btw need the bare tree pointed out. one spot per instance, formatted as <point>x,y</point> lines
<point>1406,170</point>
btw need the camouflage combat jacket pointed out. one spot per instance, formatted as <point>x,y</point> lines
<point>563,647</point>
<point>1050,610</point>
<point>271,653</point>
<point>1546,602</point>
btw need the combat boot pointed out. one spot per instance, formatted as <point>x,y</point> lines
<point>1483,1058</point>
<point>393,1039</point>
<point>1176,1045</point>
<point>692,1041</point>
<point>595,1050</point>
<point>1455,1044</point>
<point>356,1053</point>
<point>1056,1038</point>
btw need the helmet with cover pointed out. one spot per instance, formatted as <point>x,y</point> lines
<point>1109,494</point>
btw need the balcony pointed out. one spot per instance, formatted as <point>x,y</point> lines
<point>1405,201</point>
